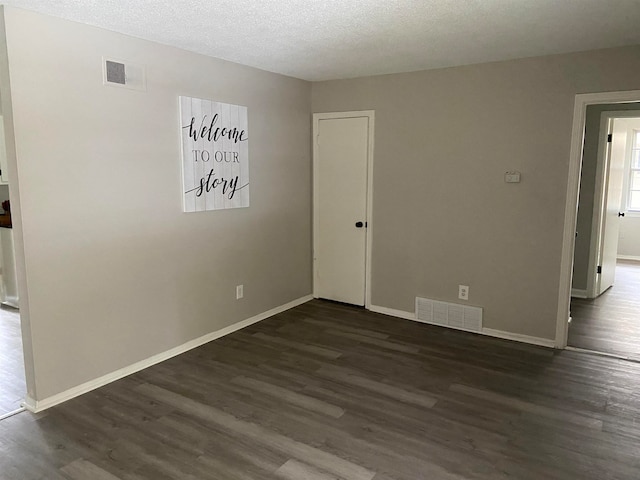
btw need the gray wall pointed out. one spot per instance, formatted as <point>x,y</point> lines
<point>442,214</point>
<point>629,239</point>
<point>587,189</point>
<point>115,271</point>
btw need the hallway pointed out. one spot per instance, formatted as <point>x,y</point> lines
<point>611,322</point>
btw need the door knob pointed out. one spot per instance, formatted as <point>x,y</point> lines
<point>621,214</point>
<point>359,224</point>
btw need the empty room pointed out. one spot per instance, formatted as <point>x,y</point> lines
<point>308,240</point>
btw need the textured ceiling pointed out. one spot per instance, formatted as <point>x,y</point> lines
<point>329,39</point>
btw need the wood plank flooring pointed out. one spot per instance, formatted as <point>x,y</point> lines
<point>12,384</point>
<point>327,391</point>
<point>611,322</point>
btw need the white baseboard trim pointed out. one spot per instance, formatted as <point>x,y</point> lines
<point>578,293</point>
<point>395,313</point>
<point>542,342</point>
<point>628,257</point>
<point>36,406</point>
<point>29,403</point>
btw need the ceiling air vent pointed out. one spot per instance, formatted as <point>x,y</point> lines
<point>117,73</point>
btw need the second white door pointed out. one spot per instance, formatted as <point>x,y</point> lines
<point>613,181</point>
<point>340,207</point>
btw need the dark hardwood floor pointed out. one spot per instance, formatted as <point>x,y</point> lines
<point>326,391</point>
<point>611,322</point>
<point>12,386</point>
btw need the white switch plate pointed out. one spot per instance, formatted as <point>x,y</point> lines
<point>239,292</point>
<point>463,292</point>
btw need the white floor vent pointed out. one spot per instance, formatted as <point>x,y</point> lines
<point>446,314</point>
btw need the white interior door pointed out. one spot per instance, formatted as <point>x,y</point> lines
<point>613,199</point>
<point>340,207</point>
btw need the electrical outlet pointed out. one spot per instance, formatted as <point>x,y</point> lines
<point>239,292</point>
<point>463,292</point>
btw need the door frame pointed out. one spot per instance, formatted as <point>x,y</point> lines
<point>571,202</point>
<point>370,114</point>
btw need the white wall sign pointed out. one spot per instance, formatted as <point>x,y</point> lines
<point>215,155</point>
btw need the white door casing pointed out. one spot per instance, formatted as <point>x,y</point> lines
<point>343,144</point>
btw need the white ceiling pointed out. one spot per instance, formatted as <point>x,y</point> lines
<point>329,39</point>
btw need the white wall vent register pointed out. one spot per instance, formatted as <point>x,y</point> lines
<point>454,315</point>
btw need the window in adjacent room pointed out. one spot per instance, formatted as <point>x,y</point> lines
<point>633,190</point>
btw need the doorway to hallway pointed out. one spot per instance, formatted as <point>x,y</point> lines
<point>604,294</point>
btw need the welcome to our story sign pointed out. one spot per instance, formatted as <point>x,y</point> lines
<point>215,155</point>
